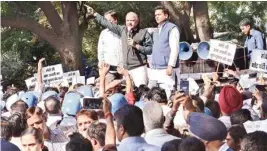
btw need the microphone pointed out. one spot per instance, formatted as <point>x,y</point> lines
<point>129,32</point>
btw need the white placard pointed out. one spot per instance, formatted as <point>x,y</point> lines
<point>258,60</point>
<point>222,52</point>
<point>78,79</point>
<point>90,80</point>
<point>70,75</point>
<point>52,74</point>
<point>31,82</point>
<point>193,86</point>
<point>252,126</point>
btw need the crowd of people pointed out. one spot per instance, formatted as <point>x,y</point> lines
<point>141,108</point>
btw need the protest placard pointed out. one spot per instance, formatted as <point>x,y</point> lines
<point>90,80</point>
<point>222,52</point>
<point>258,60</point>
<point>78,79</point>
<point>31,82</point>
<point>52,74</point>
<point>193,86</point>
<point>70,75</point>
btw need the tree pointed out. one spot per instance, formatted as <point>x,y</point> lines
<point>202,21</point>
<point>180,15</point>
<point>65,34</point>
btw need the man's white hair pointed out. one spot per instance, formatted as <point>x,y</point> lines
<point>153,115</point>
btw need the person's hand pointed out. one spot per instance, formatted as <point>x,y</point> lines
<point>208,91</point>
<point>258,95</point>
<point>106,106</point>
<point>122,71</point>
<point>40,65</point>
<point>90,10</point>
<point>177,99</point>
<point>101,64</point>
<point>137,46</point>
<point>131,42</point>
<point>229,71</point>
<point>215,76</point>
<point>169,71</point>
<point>206,79</point>
<point>104,70</point>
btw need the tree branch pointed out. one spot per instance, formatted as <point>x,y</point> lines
<point>51,15</point>
<point>29,24</point>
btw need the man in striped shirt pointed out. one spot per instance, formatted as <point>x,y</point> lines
<point>54,140</point>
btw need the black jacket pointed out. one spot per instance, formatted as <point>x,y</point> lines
<point>132,58</point>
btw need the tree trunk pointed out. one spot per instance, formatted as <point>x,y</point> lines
<point>180,15</point>
<point>65,35</point>
<point>71,55</point>
<point>202,21</point>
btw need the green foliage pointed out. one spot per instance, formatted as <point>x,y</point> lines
<point>20,51</point>
<point>226,15</point>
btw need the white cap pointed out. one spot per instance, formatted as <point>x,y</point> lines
<point>11,100</point>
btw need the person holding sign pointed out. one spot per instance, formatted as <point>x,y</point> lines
<point>255,39</point>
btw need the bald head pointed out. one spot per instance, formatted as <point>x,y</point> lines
<point>131,20</point>
<point>153,115</point>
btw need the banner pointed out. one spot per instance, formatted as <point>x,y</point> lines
<point>222,52</point>
<point>70,75</point>
<point>258,60</point>
<point>31,82</point>
<point>52,74</point>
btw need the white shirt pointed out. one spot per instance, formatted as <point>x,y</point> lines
<point>165,109</point>
<point>16,141</point>
<point>225,147</point>
<point>110,48</point>
<point>174,39</point>
<point>57,141</point>
<point>226,121</point>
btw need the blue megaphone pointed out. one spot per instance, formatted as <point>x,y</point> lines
<point>203,50</point>
<point>186,51</point>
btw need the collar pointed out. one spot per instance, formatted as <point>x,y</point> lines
<point>160,26</point>
<point>156,132</point>
<point>251,32</point>
<point>224,147</point>
<point>133,139</point>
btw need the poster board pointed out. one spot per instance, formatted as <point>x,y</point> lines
<point>52,74</point>
<point>222,52</point>
<point>258,60</point>
<point>70,75</point>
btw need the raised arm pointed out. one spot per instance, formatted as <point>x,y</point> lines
<point>110,137</point>
<point>117,29</point>
<point>102,72</point>
<point>40,83</point>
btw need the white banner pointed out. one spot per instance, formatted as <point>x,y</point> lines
<point>31,82</point>
<point>52,74</point>
<point>70,75</point>
<point>258,60</point>
<point>222,52</point>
